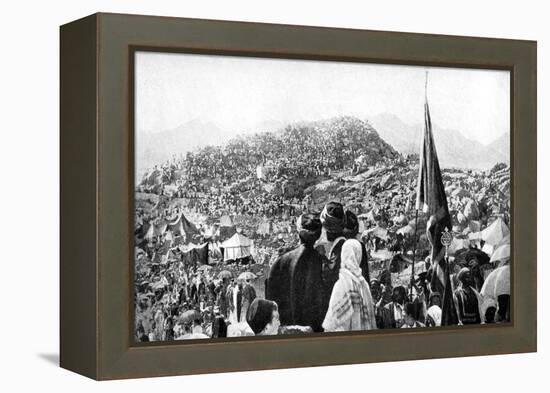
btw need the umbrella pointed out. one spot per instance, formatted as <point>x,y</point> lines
<point>464,257</point>
<point>190,316</point>
<point>225,274</point>
<point>497,283</point>
<point>406,230</point>
<point>501,253</point>
<point>246,276</point>
<point>203,268</point>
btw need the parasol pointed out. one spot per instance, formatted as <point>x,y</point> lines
<point>225,274</point>
<point>189,316</point>
<point>204,268</point>
<point>247,276</point>
<point>497,283</point>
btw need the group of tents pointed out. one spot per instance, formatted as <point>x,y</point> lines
<point>181,232</point>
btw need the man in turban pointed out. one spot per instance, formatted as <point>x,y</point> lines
<point>333,220</point>
<point>467,299</point>
<point>295,279</point>
<point>393,313</point>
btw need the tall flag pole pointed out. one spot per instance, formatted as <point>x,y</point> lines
<point>431,199</point>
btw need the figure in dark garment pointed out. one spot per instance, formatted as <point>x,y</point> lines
<point>467,299</point>
<point>295,279</point>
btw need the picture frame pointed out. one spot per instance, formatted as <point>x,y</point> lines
<point>96,194</point>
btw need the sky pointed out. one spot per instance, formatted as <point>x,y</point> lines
<point>237,93</point>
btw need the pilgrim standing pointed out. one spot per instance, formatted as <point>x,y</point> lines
<point>393,313</point>
<point>351,231</point>
<point>248,295</point>
<point>295,279</point>
<point>467,299</point>
<point>351,306</point>
<point>333,220</point>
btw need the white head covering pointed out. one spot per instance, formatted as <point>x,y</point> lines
<point>351,306</point>
<point>352,253</point>
<point>435,313</point>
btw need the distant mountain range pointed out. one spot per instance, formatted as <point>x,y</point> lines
<point>153,148</point>
<point>157,147</point>
<point>453,148</point>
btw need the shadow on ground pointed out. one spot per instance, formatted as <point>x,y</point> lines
<point>52,358</point>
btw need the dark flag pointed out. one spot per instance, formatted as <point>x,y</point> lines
<point>431,199</point>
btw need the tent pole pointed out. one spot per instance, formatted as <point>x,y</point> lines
<point>414,254</point>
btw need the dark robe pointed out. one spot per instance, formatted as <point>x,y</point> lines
<point>295,284</point>
<point>388,317</point>
<point>221,299</point>
<point>219,327</point>
<point>331,274</point>
<point>197,291</point>
<point>468,308</point>
<point>248,294</point>
<point>365,263</point>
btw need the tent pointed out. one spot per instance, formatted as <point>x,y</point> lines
<point>506,240</point>
<point>502,253</point>
<point>155,229</point>
<point>238,246</point>
<point>226,221</point>
<point>494,234</point>
<point>182,226</point>
<point>195,253</point>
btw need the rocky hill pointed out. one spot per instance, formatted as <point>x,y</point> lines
<point>300,153</point>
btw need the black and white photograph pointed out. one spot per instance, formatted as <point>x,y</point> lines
<point>296,197</point>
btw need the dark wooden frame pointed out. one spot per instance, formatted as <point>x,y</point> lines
<point>97,194</point>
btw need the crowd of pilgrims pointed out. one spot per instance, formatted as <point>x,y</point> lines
<point>225,180</point>
<point>322,285</point>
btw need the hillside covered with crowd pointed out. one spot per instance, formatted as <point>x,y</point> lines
<point>251,191</point>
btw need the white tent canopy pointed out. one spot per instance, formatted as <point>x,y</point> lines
<point>494,234</point>
<point>226,221</point>
<point>237,246</point>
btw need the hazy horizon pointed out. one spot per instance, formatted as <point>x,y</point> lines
<point>237,94</point>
